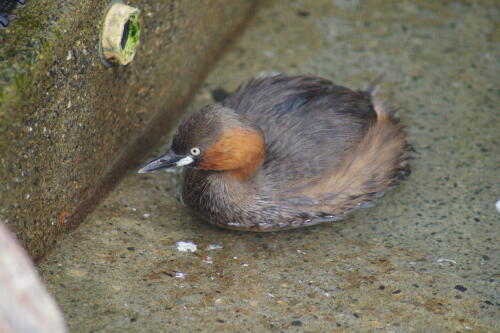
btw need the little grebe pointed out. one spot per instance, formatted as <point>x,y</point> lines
<point>285,152</point>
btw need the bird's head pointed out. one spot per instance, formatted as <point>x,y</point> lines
<point>214,138</point>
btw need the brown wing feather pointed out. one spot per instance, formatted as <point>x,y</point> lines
<point>369,168</point>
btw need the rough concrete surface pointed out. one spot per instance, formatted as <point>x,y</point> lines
<point>68,125</point>
<point>425,259</point>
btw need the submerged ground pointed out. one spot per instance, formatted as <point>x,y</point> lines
<point>425,259</point>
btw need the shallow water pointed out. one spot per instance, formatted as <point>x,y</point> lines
<point>426,258</point>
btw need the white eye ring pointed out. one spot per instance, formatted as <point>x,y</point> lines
<point>195,151</point>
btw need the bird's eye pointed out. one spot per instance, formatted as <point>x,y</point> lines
<point>195,151</point>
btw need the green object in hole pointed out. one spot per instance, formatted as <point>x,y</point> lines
<point>120,34</point>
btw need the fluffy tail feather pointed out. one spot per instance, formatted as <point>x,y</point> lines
<point>370,168</point>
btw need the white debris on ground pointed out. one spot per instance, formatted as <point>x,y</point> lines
<point>268,73</point>
<point>207,260</point>
<point>211,247</point>
<point>497,204</point>
<point>186,246</point>
<point>440,260</point>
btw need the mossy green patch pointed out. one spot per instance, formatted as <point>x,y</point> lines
<point>134,33</point>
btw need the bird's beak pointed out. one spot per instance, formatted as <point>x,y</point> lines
<point>168,160</point>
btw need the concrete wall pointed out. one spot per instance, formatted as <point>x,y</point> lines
<point>69,127</point>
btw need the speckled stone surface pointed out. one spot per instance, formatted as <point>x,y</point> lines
<point>69,127</point>
<point>425,259</point>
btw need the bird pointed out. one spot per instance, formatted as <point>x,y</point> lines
<point>284,152</point>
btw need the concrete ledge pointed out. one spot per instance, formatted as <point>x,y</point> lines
<point>69,127</point>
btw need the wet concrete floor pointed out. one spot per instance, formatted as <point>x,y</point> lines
<point>425,259</point>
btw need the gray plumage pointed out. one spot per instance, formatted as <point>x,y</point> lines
<point>328,150</point>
